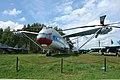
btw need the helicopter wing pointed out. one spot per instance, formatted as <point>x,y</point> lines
<point>28,35</point>
<point>21,33</point>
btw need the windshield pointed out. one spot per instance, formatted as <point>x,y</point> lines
<point>43,35</point>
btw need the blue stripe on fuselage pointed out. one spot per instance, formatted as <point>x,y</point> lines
<point>58,39</point>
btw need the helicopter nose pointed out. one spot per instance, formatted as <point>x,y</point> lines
<point>44,41</point>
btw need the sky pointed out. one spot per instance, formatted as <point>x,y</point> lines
<point>62,13</point>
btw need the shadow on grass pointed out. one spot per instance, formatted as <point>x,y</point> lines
<point>105,54</point>
<point>110,55</point>
<point>63,55</point>
<point>95,54</point>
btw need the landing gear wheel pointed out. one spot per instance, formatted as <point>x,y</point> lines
<point>118,54</point>
<point>77,53</point>
<point>102,53</point>
<point>48,54</point>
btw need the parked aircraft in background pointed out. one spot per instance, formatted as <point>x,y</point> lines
<point>98,49</point>
<point>50,39</point>
<point>113,48</point>
<point>7,49</point>
<point>81,50</point>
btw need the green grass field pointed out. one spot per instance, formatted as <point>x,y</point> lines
<point>38,66</point>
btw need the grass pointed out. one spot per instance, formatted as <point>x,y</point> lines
<point>38,66</point>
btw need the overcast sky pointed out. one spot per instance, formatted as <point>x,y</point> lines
<point>61,13</point>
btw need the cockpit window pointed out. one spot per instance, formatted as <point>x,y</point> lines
<point>44,35</point>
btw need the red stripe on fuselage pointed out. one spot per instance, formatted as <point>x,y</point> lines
<point>44,41</point>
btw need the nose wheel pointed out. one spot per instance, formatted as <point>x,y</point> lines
<point>48,54</point>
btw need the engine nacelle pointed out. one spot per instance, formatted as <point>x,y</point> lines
<point>106,30</point>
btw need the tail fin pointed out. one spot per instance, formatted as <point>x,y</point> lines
<point>119,42</point>
<point>24,46</point>
<point>16,46</point>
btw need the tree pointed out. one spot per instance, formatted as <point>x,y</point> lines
<point>59,30</point>
<point>1,32</point>
<point>7,37</point>
<point>24,27</point>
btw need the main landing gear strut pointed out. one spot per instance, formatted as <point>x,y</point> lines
<point>48,53</point>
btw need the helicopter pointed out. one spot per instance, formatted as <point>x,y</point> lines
<point>49,38</point>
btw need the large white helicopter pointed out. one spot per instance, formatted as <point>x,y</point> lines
<point>50,39</point>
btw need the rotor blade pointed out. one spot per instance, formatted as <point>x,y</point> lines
<point>115,26</point>
<point>113,23</point>
<point>78,27</point>
<point>102,18</point>
<point>94,25</point>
